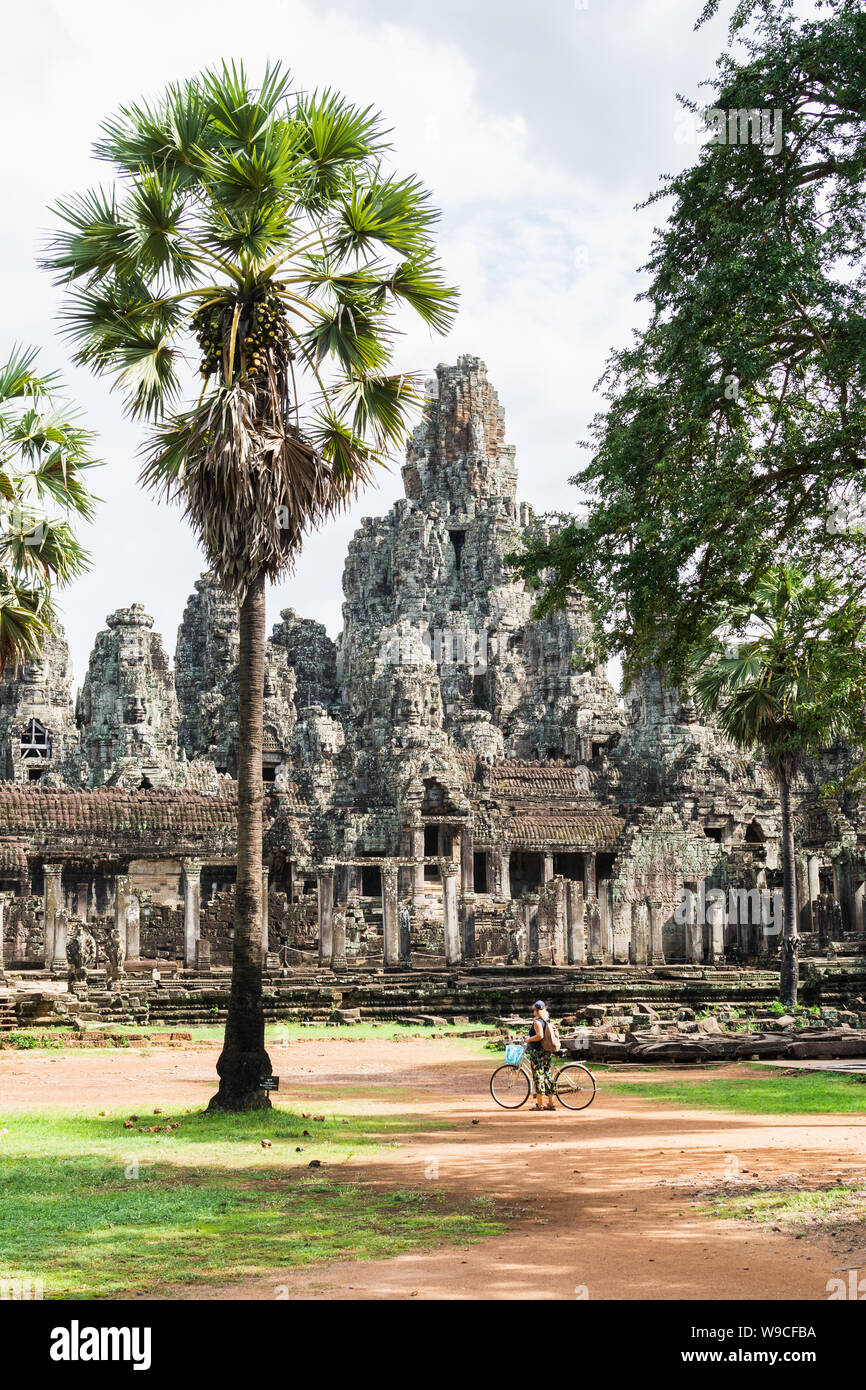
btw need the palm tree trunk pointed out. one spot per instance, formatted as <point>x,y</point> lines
<point>789,975</point>
<point>244,1061</point>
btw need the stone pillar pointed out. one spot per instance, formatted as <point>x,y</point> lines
<point>605,921</point>
<point>593,919</point>
<point>575,924</point>
<point>801,872</point>
<point>694,927</point>
<point>4,899</point>
<point>122,897</point>
<point>325,887</point>
<point>338,954</point>
<point>859,923</point>
<point>530,919</point>
<point>451,926</point>
<point>716,924</point>
<point>815,881</point>
<point>505,874</point>
<point>390,920</point>
<point>656,919</point>
<point>639,934</point>
<point>265,876</point>
<point>52,902</point>
<point>588,876</point>
<point>191,910</point>
<point>61,928</point>
<point>547,871</point>
<point>418,856</point>
<point>560,949</point>
<point>467,860</point>
<point>467,925</point>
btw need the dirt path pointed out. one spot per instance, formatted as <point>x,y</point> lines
<point>603,1200</point>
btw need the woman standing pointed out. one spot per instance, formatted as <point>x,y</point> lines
<point>539,1060</point>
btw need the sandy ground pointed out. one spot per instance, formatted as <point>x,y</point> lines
<point>603,1200</point>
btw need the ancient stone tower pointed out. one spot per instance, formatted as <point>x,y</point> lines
<point>38,737</point>
<point>437,633</point>
<point>127,709</point>
<point>206,678</point>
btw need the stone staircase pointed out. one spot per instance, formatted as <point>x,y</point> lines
<point>8,1014</point>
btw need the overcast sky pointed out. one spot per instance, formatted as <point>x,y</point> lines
<point>538,127</point>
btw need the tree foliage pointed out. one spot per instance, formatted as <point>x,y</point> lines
<point>734,433</point>
<point>254,233</point>
<point>44,457</point>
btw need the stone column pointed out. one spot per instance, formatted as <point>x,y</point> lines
<point>588,876</point>
<point>418,856</point>
<point>191,910</point>
<point>716,923</point>
<point>560,949</point>
<point>575,924</point>
<point>265,876</point>
<point>815,881</point>
<point>694,927</point>
<point>801,873</point>
<point>639,934</point>
<point>451,926</point>
<point>593,918</point>
<point>338,955</point>
<point>656,920</point>
<point>467,925</point>
<point>61,928</point>
<point>325,885</point>
<point>505,874</point>
<point>4,899</point>
<point>467,860</point>
<point>547,870</point>
<point>52,902</point>
<point>606,921</point>
<point>390,919</point>
<point>530,919</point>
<point>122,895</point>
<point>859,923</point>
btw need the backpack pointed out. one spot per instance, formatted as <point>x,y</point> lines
<point>550,1037</point>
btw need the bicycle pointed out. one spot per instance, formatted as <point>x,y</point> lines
<point>511,1084</point>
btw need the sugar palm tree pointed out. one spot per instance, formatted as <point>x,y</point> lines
<point>44,454</point>
<point>259,229</point>
<point>787,676</point>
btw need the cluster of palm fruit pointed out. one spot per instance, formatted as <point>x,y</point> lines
<point>261,327</point>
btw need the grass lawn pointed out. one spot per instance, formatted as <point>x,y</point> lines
<point>95,1210</point>
<point>276,1034</point>
<point>758,1092</point>
<point>826,1208</point>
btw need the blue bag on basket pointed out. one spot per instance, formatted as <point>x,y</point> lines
<point>514,1054</point>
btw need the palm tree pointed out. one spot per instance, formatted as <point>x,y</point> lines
<point>786,674</point>
<point>260,229</point>
<point>43,454</point>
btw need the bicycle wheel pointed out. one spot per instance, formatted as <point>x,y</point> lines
<point>575,1086</point>
<point>510,1087</point>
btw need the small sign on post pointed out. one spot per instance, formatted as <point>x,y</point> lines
<point>269,1083</point>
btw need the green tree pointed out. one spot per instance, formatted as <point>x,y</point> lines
<point>734,429</point>
<point>260,228</point>
<point>786,675</point>
<point>44,455</point>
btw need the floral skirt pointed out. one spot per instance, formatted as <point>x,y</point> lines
<point>539,1061</point>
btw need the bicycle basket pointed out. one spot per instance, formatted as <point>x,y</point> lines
<point>514,1054</point>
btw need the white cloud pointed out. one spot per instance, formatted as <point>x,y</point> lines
<point>538,224</point>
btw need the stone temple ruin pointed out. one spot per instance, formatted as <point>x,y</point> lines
<point>452,785</point>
